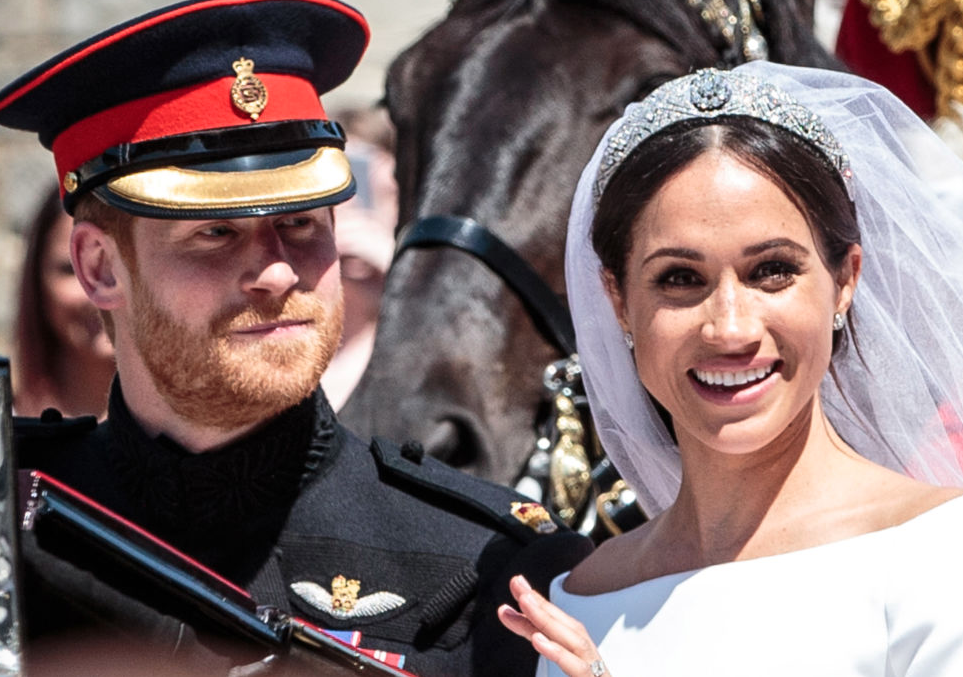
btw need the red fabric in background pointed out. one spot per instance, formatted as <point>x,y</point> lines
<point>861,48</point>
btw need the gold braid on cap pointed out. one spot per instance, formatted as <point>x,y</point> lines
<point>708,94</point>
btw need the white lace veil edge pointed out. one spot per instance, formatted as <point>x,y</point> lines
<point>900,402</point>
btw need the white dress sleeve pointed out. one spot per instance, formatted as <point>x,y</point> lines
<point>925,599</point>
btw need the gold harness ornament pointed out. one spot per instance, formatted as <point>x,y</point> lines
<point>248,93</point>
<point>570,469</point>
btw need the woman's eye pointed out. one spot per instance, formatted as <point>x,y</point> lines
<point>683,277</point>
<point>779,273</point>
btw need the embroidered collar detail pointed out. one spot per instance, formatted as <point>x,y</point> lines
<point>173,491</point>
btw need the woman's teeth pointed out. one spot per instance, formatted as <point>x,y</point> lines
<point>732,378</point>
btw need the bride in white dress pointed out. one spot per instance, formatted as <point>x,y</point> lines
<point>767,288</point>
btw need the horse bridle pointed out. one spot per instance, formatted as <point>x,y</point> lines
<point>566,461</point>
<point>544,306</point>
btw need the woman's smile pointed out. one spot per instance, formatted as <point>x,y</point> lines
<point>735,386</point>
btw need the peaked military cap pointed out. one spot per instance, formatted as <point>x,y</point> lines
<point>204,109</point>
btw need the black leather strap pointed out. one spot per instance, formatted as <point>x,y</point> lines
<point>546,308</point>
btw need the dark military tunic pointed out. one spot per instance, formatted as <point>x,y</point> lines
<point>302,511</point>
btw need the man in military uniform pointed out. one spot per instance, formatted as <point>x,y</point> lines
<point>201,170</point>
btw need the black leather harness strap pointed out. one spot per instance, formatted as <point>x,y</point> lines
<point>544,305</point>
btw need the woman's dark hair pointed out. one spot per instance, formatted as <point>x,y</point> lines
<point>792,163</point>
<point>36,340</point>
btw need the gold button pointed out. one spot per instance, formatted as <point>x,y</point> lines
<point>71,182</point>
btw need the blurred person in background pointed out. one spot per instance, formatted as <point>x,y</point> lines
<point>62,356</point>
<point>364,234</point>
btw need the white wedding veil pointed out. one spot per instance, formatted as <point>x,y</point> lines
<point>901,404</point>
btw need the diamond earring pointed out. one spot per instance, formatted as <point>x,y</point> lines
<point>629,343</point>
<point>839,321</point>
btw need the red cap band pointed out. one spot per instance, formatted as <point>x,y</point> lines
<point>181,111</point>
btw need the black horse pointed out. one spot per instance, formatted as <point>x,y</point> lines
<point>497,110</point>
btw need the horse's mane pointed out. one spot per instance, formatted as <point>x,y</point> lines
<point>787,26</point>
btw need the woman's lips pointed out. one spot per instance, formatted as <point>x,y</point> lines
<point>735,385</point>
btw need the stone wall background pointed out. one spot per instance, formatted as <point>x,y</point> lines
<point>31,31</point>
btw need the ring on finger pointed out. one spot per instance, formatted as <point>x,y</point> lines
<point>597,667</point>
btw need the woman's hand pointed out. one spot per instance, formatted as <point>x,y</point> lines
<point>553,633</point>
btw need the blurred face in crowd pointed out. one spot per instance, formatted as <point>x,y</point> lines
<point>69,313</point>
<point>235,320</point>
<point>365,234</point>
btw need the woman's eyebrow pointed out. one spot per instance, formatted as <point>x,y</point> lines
<point>752,250</point>
<point>674,252</point>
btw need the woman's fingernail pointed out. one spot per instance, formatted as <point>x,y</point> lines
<point>523,582</point>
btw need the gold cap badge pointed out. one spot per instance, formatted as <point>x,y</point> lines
<point>534,516</point>
<point>248,93</point>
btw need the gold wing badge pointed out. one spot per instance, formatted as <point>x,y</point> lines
<point>343,601</point>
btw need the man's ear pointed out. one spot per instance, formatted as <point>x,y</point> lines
<point>97,263</point>
<point>614,293</point>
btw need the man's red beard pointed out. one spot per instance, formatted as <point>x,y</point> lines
<point>216,380</point>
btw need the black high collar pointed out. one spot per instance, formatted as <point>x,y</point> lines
<point>182,496</point>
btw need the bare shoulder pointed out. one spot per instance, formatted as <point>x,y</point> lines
<point>615,563</point>
<point>896,498</point>
<point>924,497</point>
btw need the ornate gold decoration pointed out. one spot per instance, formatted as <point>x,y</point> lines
<point>534,516</point>
<point>343,601</point>
<point>569,469</point>
<point>248,92</point>
<point>717,14</point>
<point>608,502</point>
<point>326,173</point>
<point>915,25</point>
<point>71,182</point>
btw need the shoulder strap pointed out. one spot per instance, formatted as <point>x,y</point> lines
<point>485,501</point>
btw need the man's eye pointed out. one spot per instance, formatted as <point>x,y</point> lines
<point>217,231</point>
<point>297,222</point>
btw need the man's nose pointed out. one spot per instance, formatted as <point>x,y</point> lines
<point>272,270</point>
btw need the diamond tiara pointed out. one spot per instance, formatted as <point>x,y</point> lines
<point>711,93</point>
